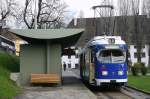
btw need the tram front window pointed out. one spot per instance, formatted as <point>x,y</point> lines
<point>111,56</point>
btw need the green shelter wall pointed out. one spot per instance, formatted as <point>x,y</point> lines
<point>39,58</point>
<point>32,60</point>
<point>54,58</point>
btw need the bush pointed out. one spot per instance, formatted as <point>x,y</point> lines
<point>143,69</point>
<point>139,67</point>
<point>10,62</point>
<point>134,71</point>
<point>135,68</point>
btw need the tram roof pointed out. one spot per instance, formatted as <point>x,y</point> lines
<point>101,40</point>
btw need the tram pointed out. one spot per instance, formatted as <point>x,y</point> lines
<point>103,61</point>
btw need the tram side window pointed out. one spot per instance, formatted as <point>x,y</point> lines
<point>92,58</point>
<point>84,58</point>
<point>87,57</point>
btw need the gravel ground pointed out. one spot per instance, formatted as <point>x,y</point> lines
<point>72,88</point>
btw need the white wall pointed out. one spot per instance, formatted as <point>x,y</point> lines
<point>73,60</point>
<point>146,58</point>
<point>133,50</point>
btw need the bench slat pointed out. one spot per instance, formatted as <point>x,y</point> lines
<point>45,78</point>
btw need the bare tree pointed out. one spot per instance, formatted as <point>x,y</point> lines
<point>138,37</point>
<point>49,14</point>
<point>6,9</point>
<point>128,8</point>
<point>124,12</point>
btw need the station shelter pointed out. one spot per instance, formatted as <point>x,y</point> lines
<point>42,53</point>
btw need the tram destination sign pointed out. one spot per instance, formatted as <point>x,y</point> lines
<point>111,46</point>
<point>111,41</point>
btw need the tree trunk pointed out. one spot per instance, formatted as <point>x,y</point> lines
<point>137,39</point>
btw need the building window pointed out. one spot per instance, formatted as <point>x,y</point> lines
<point>76,65</point>
<point>76,56</point>
<point>143,54</point>
<point>69,56</point>
<point>69,65</point>
<point>135,55</point>
<point>92,58</point>
<point>135,46</point>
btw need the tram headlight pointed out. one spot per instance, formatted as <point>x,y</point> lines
<point>120,72</point>
<point>104,73</point>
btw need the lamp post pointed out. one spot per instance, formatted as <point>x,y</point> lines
<point>35,14</point>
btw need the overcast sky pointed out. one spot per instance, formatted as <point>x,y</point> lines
<point>75,6</point>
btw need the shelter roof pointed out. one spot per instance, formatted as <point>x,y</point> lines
<point>46,33</point>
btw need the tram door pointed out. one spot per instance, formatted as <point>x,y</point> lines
<point>91,68</point>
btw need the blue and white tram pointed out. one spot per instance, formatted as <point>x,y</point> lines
<point>104,61</point>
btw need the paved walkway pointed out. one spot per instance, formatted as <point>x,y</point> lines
<point>72,88</point>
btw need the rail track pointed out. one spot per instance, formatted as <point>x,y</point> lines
<point>119,93</point>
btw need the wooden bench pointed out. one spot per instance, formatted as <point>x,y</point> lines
<point>45,78</point>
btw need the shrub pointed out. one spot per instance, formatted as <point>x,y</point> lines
<point>10,62</point>
<point>139,67</point>
<point>134,71</point>
<point>135,68</point>
<point>8,88</point>
<point>143,69</point>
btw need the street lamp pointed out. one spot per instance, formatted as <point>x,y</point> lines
<point>35,14</point>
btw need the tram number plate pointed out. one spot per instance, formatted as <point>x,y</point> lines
<point>112,81</point>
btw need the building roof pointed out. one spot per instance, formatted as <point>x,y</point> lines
<point>46,33</point>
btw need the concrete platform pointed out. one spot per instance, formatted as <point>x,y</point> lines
<point>72,88</point>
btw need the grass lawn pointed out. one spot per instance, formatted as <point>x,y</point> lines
<point>140,82</point>
<point>8,88</point>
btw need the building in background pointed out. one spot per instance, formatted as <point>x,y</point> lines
<point>70,57</point>
<point>144,54</point>
<point>10,43</point>
<point>7,45</point>
<point>123,26</point>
